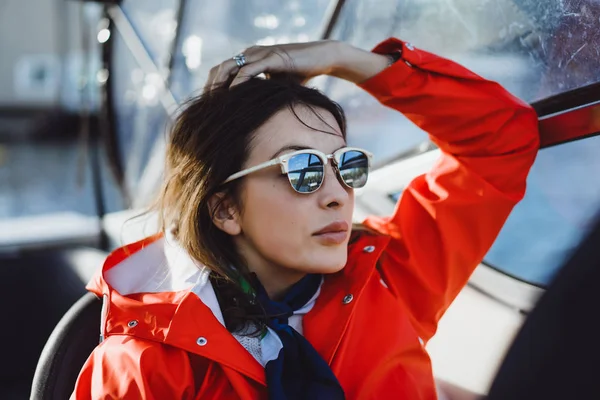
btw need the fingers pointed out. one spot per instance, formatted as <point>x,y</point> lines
<point>270,60</point>
<point>259,59</point>
<point>228,69</point>
<point>220,73</point>
<point>251,70</point>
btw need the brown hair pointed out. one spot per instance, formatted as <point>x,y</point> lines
<point>210,140</point>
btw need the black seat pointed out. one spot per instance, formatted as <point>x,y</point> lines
<point>67,349</point>
<point>37,288</point>
<point>557,352</point>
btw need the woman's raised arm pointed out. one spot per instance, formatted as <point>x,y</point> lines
<point>448,218</point>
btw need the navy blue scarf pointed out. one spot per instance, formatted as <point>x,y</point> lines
<point>299,372</point>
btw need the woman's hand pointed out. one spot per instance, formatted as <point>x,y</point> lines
<point>306,60</point>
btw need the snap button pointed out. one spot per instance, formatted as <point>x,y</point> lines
<point>132,324</point>
<point>409,46</point>
<point>407,63</point>
<point>348,299</point>
<point>201,341</point>
<point>369,249</point>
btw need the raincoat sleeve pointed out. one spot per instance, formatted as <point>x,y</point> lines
<point>447,219</point>
<point>122,367</point>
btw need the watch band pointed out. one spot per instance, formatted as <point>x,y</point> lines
<point>393,57</point>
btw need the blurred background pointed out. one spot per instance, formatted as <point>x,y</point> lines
<point>88,90</point>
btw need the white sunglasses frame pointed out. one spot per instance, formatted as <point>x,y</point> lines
<point>285,167</point>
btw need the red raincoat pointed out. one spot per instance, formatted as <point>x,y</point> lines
<point>401,279</point>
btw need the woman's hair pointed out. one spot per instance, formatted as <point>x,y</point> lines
<point>210,140</point>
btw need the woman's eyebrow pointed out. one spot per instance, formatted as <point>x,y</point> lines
<point>297,147</point>
<point>294,147</point>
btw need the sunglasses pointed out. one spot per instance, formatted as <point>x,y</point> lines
<point>305,169</point>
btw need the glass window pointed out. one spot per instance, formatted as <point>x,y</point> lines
<point>210,33</point>
<point>559,207</point>
<point>562,199</point>
<point>533,48</point>
<point>141,118</point>
<point>214,31</point>
<point>45,159</point>
<point>155,23</point>
<point>64,185</point>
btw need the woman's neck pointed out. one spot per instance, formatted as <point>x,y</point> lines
<point>277,281</point>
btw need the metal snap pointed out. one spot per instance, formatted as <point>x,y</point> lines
<point>369,249</point>
<point>201,341</point>
<point>348,299</point>
<point>132,323</point>
<point>409,46</point>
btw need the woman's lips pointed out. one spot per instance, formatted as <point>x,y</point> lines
<point>334,233</point>
<point>332,237</point>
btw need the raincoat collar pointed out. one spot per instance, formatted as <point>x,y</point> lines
<point>153,290</point>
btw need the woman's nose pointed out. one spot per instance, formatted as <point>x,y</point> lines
<point>334,194</point>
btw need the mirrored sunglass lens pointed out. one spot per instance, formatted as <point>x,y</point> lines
<point>354,168</point>
<point>305,172</point>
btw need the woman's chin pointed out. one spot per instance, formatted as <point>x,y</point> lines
<point>330,263</point>
<point>333,269</point>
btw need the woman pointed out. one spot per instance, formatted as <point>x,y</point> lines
<point>259,287</point>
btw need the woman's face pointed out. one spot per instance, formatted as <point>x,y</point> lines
<point>278,227</point>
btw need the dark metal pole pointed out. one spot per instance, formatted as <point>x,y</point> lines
<point>108,120</point>
<point>175,42</point>
<point>332,19</point>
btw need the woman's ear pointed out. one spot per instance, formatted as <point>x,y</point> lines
<point>225,213</point>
